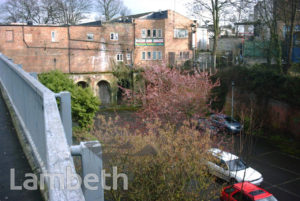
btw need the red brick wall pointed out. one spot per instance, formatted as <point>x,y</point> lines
<point>72,52</point>
<point>32,47</point>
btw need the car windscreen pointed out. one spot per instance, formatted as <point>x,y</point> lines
<point>230,120</point>
<point>271,198</point>
<point>236,165</point>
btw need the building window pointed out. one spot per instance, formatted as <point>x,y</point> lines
<point>128,56</point>
<point>114,36</point>
<point>143,55</point>
<point>159,55</point>
<point>9,35</point>
<point>154,33</point>
<point>90,36</point>
<point>159,33</point>
<point>143,33</point>
<point>184,55</point>
<point>180,33</point>
<point>149,33</point>
<point>149,56</point>
<point>53,36</point>
<point>154,55</point>
<point>119,57</point>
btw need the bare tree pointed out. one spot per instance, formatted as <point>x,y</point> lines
<point>50,12</point>
<point>111,8</point>
<point>212,9</point>
<point>46,11</point>
<point>22,11</point>
<point>125,11</point>
<point>266,12</point>
<point>72,11</point>
<point>288,12</point>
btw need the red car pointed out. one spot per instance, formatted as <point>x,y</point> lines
<point>245,191</point>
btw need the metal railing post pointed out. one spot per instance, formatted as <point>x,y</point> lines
<point>91,157</point>
<point>66,113</point>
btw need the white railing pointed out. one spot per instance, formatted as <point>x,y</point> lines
<point>36,113</point>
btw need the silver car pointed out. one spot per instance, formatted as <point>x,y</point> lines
<point>231,168</point>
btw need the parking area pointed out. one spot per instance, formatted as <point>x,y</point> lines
<point>281,174</point>
<point>281,171</point>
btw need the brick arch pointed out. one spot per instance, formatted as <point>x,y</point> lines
<point>104,92</point>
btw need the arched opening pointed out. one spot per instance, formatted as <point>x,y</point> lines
<point>104,92</point>
<point>83,84</point>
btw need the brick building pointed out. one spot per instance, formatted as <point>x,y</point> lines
<point>89,51</point>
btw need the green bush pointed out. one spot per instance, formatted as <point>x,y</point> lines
<point>264,81</point>
<point>84,103</point>
<point>295,68</point>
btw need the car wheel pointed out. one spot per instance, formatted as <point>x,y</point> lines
<point>233,181</point>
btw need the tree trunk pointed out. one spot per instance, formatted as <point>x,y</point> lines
<point>291,35</point>
<point>214,55</point>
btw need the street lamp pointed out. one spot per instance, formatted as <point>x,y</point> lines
<point>232,90</point>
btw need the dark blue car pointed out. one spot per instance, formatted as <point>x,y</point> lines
<point>226,123</point>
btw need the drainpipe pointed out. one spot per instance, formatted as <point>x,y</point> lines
<point>69,51</point>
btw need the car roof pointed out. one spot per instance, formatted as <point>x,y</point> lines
<point>252,190</point>
<point>226,156</point>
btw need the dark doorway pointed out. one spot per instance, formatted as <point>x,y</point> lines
<point>104,92</point>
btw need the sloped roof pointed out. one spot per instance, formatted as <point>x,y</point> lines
<point>148,15</point>
<point>95,23</point>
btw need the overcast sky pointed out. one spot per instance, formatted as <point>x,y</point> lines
<point>139,6</point>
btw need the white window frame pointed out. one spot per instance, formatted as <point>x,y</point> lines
<point>53,36</point>
<point>144,33</point>
<point>177,33</point>
<point>119,57</point>
<point>159,55</point>
<point>143,55</point>
<point>154,57</point>
<point>114,36</point>
<point>149,56</point>
<point>159,33</point>
<point>90,35</point>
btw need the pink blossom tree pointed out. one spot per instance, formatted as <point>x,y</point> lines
<point>172,95</point>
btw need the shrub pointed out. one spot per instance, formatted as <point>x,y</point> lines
<point>163,163</point>
<point>84,103</point>
<point>264,81</point>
